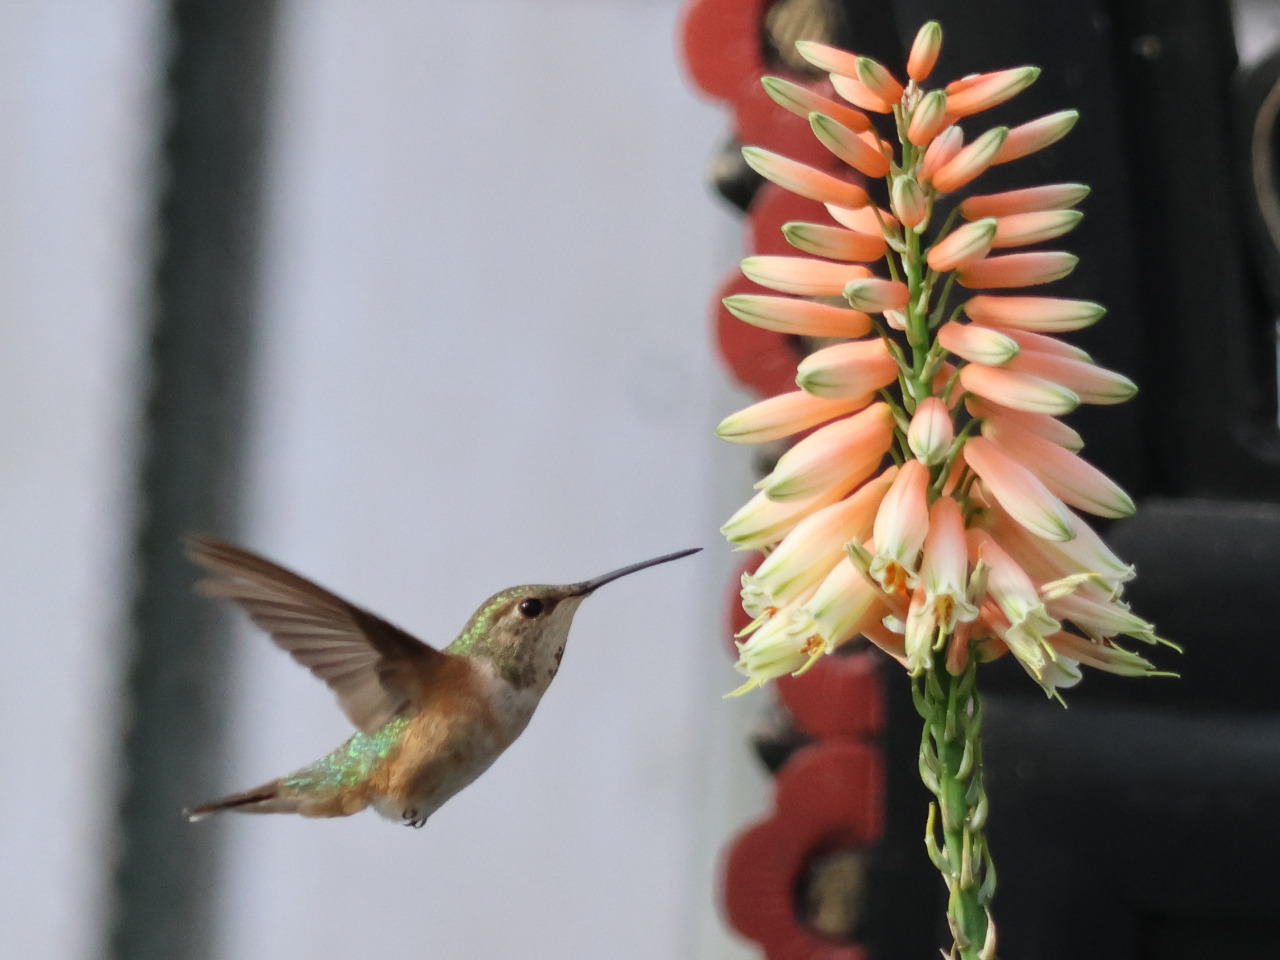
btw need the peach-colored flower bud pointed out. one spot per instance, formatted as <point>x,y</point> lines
<point>900,528</point>
<point>928,118</point>
<point>865,219</point>
<point>784,415</point>
<point>1040,424</point>
<point>973,94</point>
<point>931,432</point>
<point>805,318</point>
<point>856,92</point>
<point>847,369</point>
<point>976,343</point>
<point>1085,553</point>
<point>908,201</point>
<point>1041,314</point>
<point>1017,269</point>
<point>924,51</point>
<point>802,275</point>
<point>970,161</point>
<point>1027,138</point>
<point>940,152</point>
<point>1091,383</point>
<point>1075,482</point>
<point>836,456</point>
<point>804,180</point>
<point>828,58</point>
<point>833,242</point>
<point>1019,490</point>
<point>875,295</point>
<point>1018,391</point>
<point>1040,343</point>
<point>1022,228</point>
<point>878,80</point>
<point>1054,196</point>
<point>761,522</point>
<point>802,101</point>
<point>849,147</point>
<point>962,245</point>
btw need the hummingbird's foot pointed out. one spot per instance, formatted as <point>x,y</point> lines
<point>412,819</point>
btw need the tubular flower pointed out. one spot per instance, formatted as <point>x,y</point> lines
<point>971,546</point>
<point>810,551</point>
<point>900,528</point>
<point>940,602</point>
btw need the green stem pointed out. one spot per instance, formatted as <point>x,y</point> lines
<point>951,767</point>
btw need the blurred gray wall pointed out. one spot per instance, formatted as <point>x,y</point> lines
<point>483,360</point>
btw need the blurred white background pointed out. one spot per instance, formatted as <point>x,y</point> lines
<point>483,360</point>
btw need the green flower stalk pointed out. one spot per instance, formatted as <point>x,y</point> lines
<point>935,509</point>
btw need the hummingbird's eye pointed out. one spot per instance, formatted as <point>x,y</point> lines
<point>530,607</point>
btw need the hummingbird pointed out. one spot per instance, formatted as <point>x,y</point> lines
<point>428,722</point>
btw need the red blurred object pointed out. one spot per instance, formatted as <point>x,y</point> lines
<point>829,796</point>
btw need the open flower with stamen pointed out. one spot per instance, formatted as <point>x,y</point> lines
<point>940,602</point>
<point>901,524</point>
<point>933,509</point>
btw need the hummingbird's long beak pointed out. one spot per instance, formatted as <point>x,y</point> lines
<point>587,586</point>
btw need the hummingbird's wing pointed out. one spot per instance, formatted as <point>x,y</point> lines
<point>369,664</point>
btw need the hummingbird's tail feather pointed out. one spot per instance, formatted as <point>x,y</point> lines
<point>264,799</point>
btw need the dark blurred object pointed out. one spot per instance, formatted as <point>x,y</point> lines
<point>1142,822</point>
<point>200,336</point>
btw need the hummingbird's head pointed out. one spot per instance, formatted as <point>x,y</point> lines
<point>523,630</point>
